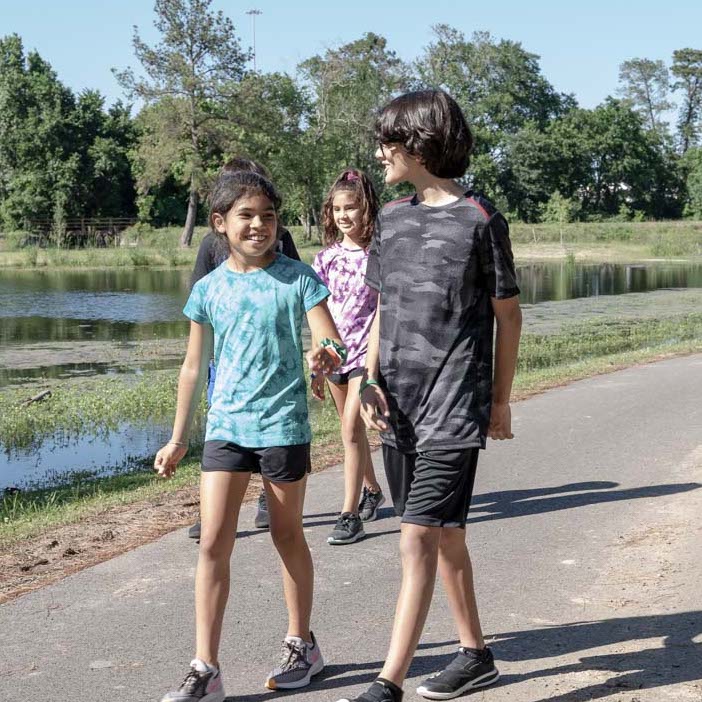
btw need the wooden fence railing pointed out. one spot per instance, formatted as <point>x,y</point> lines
<point>79,231</point>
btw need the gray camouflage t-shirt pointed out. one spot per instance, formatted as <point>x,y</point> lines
<point>436,269</point>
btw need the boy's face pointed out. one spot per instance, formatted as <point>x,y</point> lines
<point>250,226</point>
<point>398,164</point>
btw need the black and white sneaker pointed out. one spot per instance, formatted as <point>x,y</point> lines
<point>201,684</point>
<point>469,670</point>
<point>194,531</point>
<point>380,691</point>
<point>369,504</point>
<point>348,530</point>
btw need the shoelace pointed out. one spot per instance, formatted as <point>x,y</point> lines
<point>191,681</point>
<point>292,655</point>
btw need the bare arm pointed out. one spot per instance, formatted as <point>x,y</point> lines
<point>191,381</point>
<point>322,327</point>
<point>374,405</point>
<point>508,316</point>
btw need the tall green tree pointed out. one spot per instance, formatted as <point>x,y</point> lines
<point>687,69</point>
<point>645,84</point>
<point>348,85</point>
<point>189,74</point>
<point>37,167</point>
<point>500,88</point>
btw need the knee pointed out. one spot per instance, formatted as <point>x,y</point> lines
<point>352,431</point>
<point>216,546</point>
<point>419,542</point>
<point>453,541</point>
<point>286,536</point>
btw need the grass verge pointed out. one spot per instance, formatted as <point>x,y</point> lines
<point>576,351</point>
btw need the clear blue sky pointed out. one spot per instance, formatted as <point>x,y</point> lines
<point>581,45</point>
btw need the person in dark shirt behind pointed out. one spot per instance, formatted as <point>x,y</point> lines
<point>213,252</point>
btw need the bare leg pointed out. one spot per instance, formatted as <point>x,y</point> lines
<point>221,494</point>
<point>457,577</point>
<point>419,546</point>
<point>357,464</point>
<point>285,502</point>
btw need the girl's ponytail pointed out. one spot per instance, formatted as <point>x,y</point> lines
<point>357,182</point>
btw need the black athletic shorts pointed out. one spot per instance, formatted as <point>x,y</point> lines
<point>343,378</point>
<point>431,488</point>
<point>279,464</point>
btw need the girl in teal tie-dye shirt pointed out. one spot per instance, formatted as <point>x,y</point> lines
<point>248,313</point>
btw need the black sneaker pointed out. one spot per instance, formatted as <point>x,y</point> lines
<point>369,504</point>
<point>261,520</point>
<point>348,529</point>
<point>380,691</point>
<point>469,670</point>
<point>194,531</point>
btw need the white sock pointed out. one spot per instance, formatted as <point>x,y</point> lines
<point>202,667</point>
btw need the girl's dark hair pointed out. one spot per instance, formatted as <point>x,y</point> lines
<point>358,183</point>
<point>429,124</point>
<point>241,163</point>
<point>231,187</point>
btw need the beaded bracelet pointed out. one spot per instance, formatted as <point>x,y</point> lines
<point>335,349</point>
<point>178,443</point>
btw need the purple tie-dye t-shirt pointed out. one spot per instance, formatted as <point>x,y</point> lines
<point>352,303</point>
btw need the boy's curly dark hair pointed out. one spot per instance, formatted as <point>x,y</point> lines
<point>429,124</point>
<point>231,187</point>
<point>357,182</point>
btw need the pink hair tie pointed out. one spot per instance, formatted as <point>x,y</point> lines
<point>350,176</point>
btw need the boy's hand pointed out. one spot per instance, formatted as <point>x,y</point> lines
<point>500,421</point>
<point>320,360</point>
<point>374,407</point>
<point>168,458</point>
<point>317,386</point>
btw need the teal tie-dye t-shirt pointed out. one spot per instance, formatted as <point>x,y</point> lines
<point>260,392</point>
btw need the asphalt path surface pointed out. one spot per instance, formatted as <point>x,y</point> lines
<point>585,537</point>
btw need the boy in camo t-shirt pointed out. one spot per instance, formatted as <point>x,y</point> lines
<point>442,264</point>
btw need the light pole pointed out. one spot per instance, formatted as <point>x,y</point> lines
<point>253,14</point>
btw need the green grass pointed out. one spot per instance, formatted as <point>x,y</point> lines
<point>144,246</point>
<point>665,239</point>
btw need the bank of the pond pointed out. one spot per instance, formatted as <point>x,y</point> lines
<point>586,241</point>
<point>96,406</point>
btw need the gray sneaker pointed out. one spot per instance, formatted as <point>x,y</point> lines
<point>369,504</point>
<point>348,530</point>
<point>201,684</point>
<point>298,664</point>
<point>261,518</point>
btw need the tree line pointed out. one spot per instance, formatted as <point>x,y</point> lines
<point>538,155</point>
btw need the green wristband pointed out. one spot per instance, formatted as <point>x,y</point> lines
<point>367,383</point>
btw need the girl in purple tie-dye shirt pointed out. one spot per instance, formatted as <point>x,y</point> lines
<point>349,214</point>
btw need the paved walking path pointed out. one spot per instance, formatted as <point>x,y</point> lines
<point>585,536</point>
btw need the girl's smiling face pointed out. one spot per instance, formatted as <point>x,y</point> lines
<point>348,217</point>
<point>251,226</point>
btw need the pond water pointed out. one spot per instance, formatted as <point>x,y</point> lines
<point>136,304</point>
<point>80,311</point>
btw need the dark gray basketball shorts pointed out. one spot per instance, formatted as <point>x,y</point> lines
<point>431,488</point>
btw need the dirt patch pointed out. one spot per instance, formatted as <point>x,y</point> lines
<point>63,550</point>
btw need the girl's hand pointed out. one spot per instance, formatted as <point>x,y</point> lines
<point>320,360</point>
<point>317,386</point>
<point>374,408</point>
<point>168,458</point>
<point>500,421</point>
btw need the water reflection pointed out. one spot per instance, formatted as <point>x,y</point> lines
<point>546,282</point>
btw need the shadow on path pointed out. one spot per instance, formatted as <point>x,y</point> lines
<point>652,665</point>
<point>523,503</point>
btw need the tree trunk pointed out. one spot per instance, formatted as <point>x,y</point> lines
<point>306,225</point>
<point>186,237</point>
